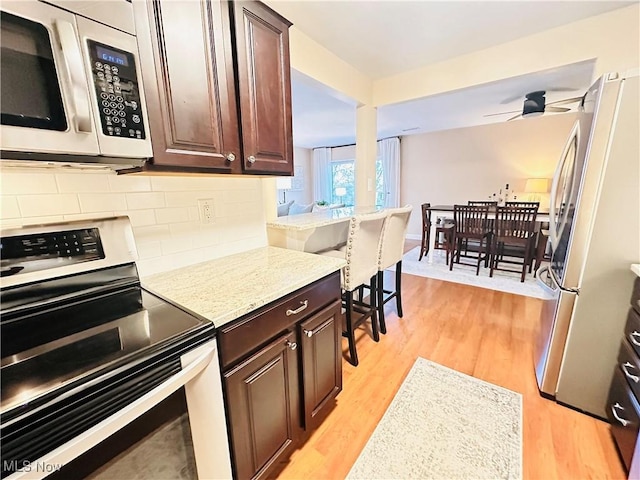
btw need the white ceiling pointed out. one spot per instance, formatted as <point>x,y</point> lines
<point>383,38</point>
<point>322,119</point>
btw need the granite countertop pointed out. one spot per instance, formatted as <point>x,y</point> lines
<point>226,288</point>
<point>307,221</point>
<point>635,268</point>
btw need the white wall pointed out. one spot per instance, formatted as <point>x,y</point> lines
<point>454,166</point>
<point>303,164</point>
<point>163,210</point>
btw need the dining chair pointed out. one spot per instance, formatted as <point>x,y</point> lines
<point>446,229</point>
<point>361,253</point>
<point>522,204</point>
<point>513,237</point>
<point>391,251</point>
<point>470,223</point>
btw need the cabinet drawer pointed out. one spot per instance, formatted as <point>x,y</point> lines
<point>247,334</point>
<point>622,410</point>
<point>632,330</point>
<point>629,363</point>
<point>635,296</point>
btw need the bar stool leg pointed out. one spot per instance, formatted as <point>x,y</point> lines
<point>399,288</point>
<point>374,310</point>
<point>380,295</point>
<point>353,355</point>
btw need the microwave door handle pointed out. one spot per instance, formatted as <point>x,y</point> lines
<point>75,67</point>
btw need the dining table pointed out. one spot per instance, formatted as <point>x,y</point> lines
<point>316,231</point>
<point>542,217</point>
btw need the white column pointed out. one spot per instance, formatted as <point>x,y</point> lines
<point>366,153</point>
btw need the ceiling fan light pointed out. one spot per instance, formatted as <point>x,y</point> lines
<point>533,106</point>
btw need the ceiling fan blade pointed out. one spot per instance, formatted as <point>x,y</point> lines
<point>566,100</point>
<point>512,99</point>
<point>557,109</point>
<point>501,113</point>
<point>513,118</point>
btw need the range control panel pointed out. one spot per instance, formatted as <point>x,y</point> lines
<point>47,250</point>
<point>115,80</point>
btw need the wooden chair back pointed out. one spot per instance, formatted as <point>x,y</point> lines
<point>470,220</point>
<point>426,215</point>
<point>517,223</point>
<point>523,204</point>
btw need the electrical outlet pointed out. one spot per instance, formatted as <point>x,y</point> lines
<point>205,209</point>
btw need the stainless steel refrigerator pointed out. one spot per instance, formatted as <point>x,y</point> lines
<point>594,232</point>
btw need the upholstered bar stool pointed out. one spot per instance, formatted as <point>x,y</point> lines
<point>391,251</point>
<point>361,253</point>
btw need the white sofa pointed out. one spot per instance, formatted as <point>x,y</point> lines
<point>294,208</point>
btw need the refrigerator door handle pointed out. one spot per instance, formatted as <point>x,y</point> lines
<point>556,284</point>
<point>554,234</point>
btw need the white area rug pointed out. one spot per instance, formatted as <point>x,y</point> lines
<point>503,281</point>
<point>443,424</point>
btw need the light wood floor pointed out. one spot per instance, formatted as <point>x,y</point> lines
<point>479,332</point>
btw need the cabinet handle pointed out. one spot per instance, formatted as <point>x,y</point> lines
<point>291,345</point>
<point>231,156</point>
<point>251,159</point>
<point>623,421</point>
<point>627,374</point>
<point>308,333</point>
<point>303,305</point>
<point>633,340</point>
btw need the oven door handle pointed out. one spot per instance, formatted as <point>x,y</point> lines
<point>201,357</point>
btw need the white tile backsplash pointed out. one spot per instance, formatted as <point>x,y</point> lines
<point>52,204</point>
<point>163,210</point>
<point>102,202</point>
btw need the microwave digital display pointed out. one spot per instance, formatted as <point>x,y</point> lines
<point>111,56</point>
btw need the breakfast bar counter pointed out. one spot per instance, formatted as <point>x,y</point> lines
<point>313,232</point>
<point>226,288</point>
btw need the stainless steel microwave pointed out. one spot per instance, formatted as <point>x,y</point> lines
<point>71,82</point>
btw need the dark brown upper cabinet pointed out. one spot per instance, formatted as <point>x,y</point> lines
<point>264,85</point>
<point>217,89</point>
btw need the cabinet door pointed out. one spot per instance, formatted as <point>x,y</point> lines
<point>187,69</point>
<point>321,362</point>
<point>263,407</point>
<point>262,49</point>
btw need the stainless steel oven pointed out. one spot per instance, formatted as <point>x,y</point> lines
<point>86,350</point>
<point>71,82</point>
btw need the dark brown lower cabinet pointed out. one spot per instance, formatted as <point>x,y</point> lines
<point>321,362</point>
<point>282,370</point>
<point>263,397</point>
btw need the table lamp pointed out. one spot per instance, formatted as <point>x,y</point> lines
<point>340,192</point>
<point>535,186</point>
<point>284,184</point>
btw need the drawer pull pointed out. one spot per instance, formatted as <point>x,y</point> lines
<point>633,339</point>
<point>624,367</point>
<point>308,333</point>
<point>303,306</point>
<point>623,421</point>
<point>291,345</point>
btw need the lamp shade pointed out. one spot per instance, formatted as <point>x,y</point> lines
<point>537,185</point>
<point>283,183</point>
<point>341,191</point>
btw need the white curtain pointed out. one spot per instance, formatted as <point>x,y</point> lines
<point>322,174</point>
<point>389,151</point>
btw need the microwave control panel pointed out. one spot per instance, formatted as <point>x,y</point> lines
<point>117,91</point>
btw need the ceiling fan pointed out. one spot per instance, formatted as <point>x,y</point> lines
<point>535,104</point>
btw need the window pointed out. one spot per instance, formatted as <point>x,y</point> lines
<point>343,175</point>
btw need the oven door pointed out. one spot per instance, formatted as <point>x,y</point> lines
<point>45,103</point>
